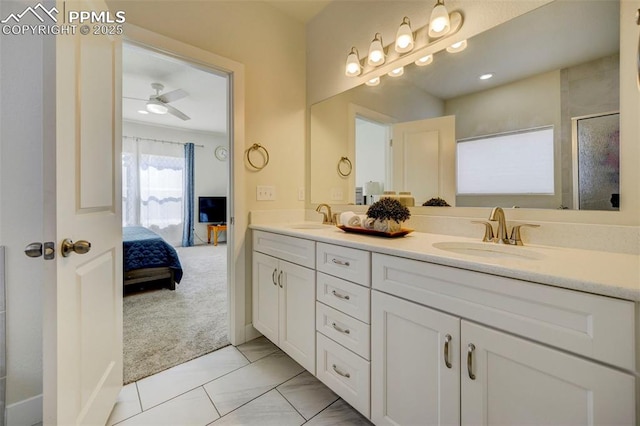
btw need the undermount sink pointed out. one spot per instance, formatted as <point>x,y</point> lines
<point>489,250</point>
<point>307,226</point>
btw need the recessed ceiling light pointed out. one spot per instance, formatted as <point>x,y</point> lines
<point>142,111</point>
<point>486,76</point>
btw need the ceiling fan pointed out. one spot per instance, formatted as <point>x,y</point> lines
<point>159,102</point>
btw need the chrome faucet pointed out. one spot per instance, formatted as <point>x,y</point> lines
<point>327,218</point>
<point>500,237</point>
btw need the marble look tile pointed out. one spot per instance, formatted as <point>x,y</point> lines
<point>127,405</point>
<point>257,348</point>
<point>193,408</point>
<point>175,381</point>
<point>307,394</point>
<point>243,385</point>
<point>270,409</point>
<point>339,413</point>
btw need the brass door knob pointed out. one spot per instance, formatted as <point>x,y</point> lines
<point>80,247</point>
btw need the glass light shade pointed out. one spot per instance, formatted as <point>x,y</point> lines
<point>156,107</point>
<point>425,60</point>
<point>376,51</point>
<point>439,23</point>
<point>404,37</point>
<point>397,72</point>
<point>373,82</point>
<point>353,67</point>
<point>457,47</point>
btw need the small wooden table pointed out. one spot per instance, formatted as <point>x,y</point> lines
<point>215,229</point>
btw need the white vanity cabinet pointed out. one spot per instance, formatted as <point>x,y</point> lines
<point>284,294</point>
<point>495,377</point>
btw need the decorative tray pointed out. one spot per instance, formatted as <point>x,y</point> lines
<point>401,233</point>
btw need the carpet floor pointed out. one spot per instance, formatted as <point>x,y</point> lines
<point>164,328</point>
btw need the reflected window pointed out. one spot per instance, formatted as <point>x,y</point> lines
<point>508,163</point>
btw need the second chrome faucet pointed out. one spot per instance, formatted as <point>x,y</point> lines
<point>501,234</point>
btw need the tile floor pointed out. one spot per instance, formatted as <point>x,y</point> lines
<point>253,384</point>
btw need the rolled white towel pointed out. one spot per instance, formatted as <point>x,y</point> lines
<point>386,226</point>
<point>345,217</point>
<point>368,223</point>
<point>355,221</point>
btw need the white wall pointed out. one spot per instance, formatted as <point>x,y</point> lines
<point>211,174</point>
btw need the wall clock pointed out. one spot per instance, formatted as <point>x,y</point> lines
<point>221,153</point>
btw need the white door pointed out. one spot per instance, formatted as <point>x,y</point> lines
<point>415,366</point>
<point>517,382</point>
<point>423,154</point>
<point>265,295</point>
<point>298,313</point>
<point>83,326</point>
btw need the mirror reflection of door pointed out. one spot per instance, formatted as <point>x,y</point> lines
<point>373,159</point>
<point>596,162</point>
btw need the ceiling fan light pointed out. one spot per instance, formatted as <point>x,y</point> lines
<point>425,60</point>
<point>156,107</point>
<point>404,37</point>
<point>143,111</point>
<point>439,23</point>
<point>353,68</point>
<point>376,51</point>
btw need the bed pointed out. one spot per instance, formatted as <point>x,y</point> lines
<point>148,257</point>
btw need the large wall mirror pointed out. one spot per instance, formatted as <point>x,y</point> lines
<point>541,132</point>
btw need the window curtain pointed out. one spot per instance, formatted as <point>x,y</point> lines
<point>187,228</point>
<point>153,187</point>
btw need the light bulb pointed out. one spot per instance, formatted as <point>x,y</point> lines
<point>439,23</point>
<point>397,72</point>
<point>457,47</point>
<point>425,60</point>
<point>353,67</point>
<point>404,37</point>
<point>156,107</point>
<point>373,82</point>
<point>376,51</point>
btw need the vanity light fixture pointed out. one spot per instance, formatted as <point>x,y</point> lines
<point>486,76</point>
<point>353,67</point>
<point>457,47</point>
<point>397,72</point>
<point>439,23</point>
<point>404,37</point>
<point>156,107</point>
<point>425,60</point>
<point>373,82</point>
<point>376,51</point>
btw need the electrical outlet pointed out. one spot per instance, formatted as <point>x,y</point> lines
<point>265,193</point>
<point>301,194</point>
<point>336,194</point>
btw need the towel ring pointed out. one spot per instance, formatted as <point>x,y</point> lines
<point>265,154</point>
<point>349,166</point>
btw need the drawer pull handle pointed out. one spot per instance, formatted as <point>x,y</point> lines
<point>273,277</point>
<point>470,350</point>
<point>280,279</point>
<point>447,360</point>
<point>340,296</point>
<point>335,368</point>
<point>340,329</point>
<point>340,262</point>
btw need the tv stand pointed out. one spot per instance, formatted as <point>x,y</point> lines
<point>215,228</point>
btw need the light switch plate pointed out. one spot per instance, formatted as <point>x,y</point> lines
<point>265,193</point>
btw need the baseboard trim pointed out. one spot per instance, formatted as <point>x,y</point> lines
<point>250,333</point>
<point>25,412</point>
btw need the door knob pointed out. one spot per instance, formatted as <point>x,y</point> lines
<point>80,247</point>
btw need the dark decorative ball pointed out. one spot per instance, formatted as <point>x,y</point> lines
<point>388,208</point>
<point>439,202</point>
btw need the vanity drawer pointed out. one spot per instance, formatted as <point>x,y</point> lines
<point>594,326</point>
<point>292,249</point>
<point>345,373</point>
<point>345,296</point>
<point>349,332</point>
<point>350,264</point>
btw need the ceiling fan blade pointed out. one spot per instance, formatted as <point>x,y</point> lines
<point>181,115</point>
<point>135,99</point>
<point>172,96</point>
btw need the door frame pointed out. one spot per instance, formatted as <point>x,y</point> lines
<point>236,231</point>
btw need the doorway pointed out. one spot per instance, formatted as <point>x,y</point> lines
<point>176,141</point>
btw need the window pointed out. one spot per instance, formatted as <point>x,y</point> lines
<point>508,163</point>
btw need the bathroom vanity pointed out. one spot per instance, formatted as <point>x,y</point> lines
<point>434,329</point>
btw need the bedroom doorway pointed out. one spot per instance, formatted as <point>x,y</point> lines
<point>176,183</point>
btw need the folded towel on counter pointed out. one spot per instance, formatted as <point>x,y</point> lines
<point>368,223</point>
<point>345,217</point>
<point>386,226</point>
<point>357,221</point>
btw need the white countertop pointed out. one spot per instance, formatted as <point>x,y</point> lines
<point>598,272</point>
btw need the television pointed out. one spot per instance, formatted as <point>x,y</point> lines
<point>212,210</point>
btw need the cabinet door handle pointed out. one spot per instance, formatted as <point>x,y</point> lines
<point>447,360</point>
<point>470,350</point>
<point>280,279</point>
<point>340,296</point>
<point>335,368</point>
<point>340,329</point>
<point>340,262</point>
<point>273,277</point>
